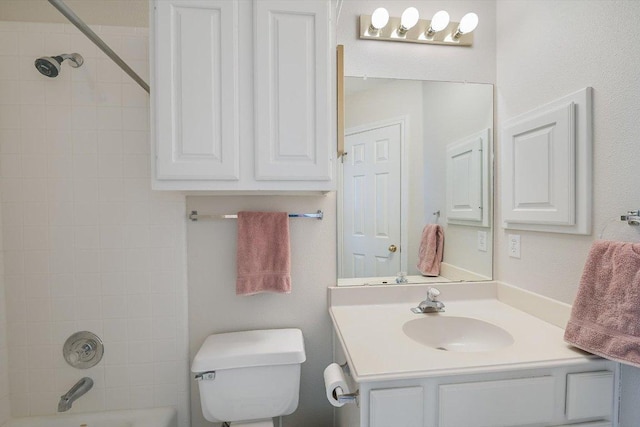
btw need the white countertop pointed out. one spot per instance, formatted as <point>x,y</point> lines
<point>377,349</point>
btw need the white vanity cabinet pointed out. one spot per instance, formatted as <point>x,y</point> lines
<point>446,370</point>
<point>243,95</point>
<point>578,395</point>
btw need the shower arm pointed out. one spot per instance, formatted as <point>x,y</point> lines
<point>84,28</point>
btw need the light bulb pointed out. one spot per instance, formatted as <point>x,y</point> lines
<point>468,23</point>
<point>379,18</point>
<point>408,19</point>
<point>438,23</point>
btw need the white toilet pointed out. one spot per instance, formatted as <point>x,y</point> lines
<point>247,378</point>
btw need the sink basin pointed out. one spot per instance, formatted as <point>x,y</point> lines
<point>460,334</point>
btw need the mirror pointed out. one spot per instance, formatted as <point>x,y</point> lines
<point>418,153</point>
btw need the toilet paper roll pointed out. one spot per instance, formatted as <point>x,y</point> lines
<point>334,383</point>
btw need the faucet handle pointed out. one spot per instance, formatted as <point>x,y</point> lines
<point>432,294</point>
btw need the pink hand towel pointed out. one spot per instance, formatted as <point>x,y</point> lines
<point>605,317</point>
<point>431,249</point>
<point>264,256</point>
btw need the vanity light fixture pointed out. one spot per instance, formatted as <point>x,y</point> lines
<point>410,28</point>
<point>379,19</point>
<point>408,20</point>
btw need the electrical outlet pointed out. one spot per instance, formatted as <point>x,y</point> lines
<point>482,241</point>
<point>514,245</point>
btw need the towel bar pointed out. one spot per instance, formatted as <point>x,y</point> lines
<point>195,216</point>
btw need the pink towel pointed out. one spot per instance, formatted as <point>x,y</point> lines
<point>263,257</point>
<point>605,318</point>
<point>431,248</point>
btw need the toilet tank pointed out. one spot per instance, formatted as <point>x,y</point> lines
<point>250,374</point>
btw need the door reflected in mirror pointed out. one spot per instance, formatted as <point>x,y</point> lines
<point>418,153</point>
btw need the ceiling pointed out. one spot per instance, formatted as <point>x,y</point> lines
<point>122,13</point>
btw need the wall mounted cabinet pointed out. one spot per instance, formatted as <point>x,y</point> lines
<point>547,166</point>
<point>243,95</point>
<point>469,180</point>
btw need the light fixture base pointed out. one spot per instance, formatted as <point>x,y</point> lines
<point>417,34</point>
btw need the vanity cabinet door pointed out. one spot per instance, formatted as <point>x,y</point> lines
<point>517,402</point>
<point>293,90</point>
<point>397,407</point>
<point>589,395</point>
<point>195,90</point>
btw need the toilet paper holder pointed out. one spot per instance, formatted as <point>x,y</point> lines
<point>340,395</point>
<point>337,387</point>
<point>343,397</point>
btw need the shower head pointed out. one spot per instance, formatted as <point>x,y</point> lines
<point>50,65</point>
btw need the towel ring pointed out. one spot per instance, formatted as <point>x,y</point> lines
<point>625,233</point>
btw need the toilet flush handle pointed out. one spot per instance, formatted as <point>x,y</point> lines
<point>209,375</point>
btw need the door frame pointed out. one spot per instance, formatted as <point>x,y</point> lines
<point>403,121</point>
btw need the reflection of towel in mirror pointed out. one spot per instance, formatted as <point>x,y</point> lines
<point>264,256</point>
<point>606,312</point>
<point>431,249</point>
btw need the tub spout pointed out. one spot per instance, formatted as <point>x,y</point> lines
<point>80,388</point>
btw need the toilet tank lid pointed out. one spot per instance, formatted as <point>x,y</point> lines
<point>250,348</point>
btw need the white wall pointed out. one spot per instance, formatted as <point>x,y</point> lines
<point>214,307</point>
<point>87,244</point>
<point>547,49</point>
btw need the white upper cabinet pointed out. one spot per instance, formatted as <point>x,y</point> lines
<point>243,95</point>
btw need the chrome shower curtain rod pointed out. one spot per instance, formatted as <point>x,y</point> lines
<point>84,28</point>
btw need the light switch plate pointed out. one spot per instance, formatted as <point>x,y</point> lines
<point>482,241</point>
<point>514,246</point>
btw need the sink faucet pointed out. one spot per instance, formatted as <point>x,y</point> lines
<point>80,388</point>
<point>431,304</point>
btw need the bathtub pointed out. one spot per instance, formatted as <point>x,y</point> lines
<point>156,417</point>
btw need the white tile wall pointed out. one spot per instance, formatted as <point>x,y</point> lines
<point>87,244</point>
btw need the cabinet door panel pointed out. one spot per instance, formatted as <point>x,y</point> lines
<point>589,395</point>
<point>293,90</point>
<point>497,403</point>
<point>399,407</point>
<point>196,66</point>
